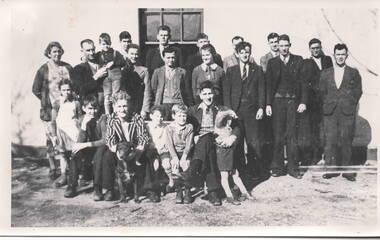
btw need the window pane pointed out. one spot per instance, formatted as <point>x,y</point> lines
<point>173,20</point>
<point>191,26</point>
<point>172,9</point>
<point>153,21</point>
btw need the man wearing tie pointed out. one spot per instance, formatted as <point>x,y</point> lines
<point>340,88</point>
<point>286,97</point>
<point>310,123</point>
<point>244,92</point>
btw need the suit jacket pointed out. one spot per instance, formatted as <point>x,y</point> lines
<point>158,85</point>
<point>232,61</point>
<point>264,60</point>
<point>232,87</point>
<point>84,82</point>
<point>154,59</point>
<point>346,97</point>
<point>273,76</point>
<point>311,74</point>
<point>195,114</point>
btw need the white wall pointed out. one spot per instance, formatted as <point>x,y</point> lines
<point>34,25</point>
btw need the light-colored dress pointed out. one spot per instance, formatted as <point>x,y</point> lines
<point>56,74</point>
<point>67,124</point>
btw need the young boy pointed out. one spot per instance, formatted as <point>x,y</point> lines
<point>157,147</point>
<point>90,136</point>
<point>114,62</point>
<point>169,84</point>
<point>179,141</point>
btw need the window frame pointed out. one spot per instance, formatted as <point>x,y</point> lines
<point>181,11</point>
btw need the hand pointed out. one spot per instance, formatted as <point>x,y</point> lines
<point>109,65</point>
<point>184,164</point>
<point>268,110</point>
<point>259,114</point>
<point>301,108</point>
<point>78,146</point>
<point>156,164</point>
<point>100,73</point>
<point>144,114</point>
<point>140,147</point>
<point>227,142</point>
<point>54,141</point>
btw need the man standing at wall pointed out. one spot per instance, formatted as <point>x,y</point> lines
<point>310,123</point>
<point>233,59</point>
<point>273,45</point>
<point>340,89</point>
<point>286,95</point>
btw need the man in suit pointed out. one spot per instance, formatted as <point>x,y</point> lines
<point>309,135</point>
<point>154,57</point>
<point>137,81</point>
<point>88,76</point>
<point>233,59</point>
<point>286,97</point>
<point>273,46</point>
<point>340,88</point>
<point>196,59</point>
<point>168,84</point>
<point>244,93</point>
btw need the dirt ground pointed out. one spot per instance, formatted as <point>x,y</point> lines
<point>279,201</point>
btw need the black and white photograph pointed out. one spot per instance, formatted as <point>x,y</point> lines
<point>217,118</point>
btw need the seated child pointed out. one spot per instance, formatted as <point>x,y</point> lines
<point>179,141</point>
<point>225,146</point>
<point>114,62</point>
<point>157,146</point>
<point>66,112</point>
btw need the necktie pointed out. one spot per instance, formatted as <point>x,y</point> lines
<point>208,73</point>
<point>244,77</point>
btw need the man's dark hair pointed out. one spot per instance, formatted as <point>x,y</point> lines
<point>202,36</point>
<point>272,35</point>
<point>133,45</point>
<point>88,41</point>
<point>206,84</point>
<point>284,37</point>
<point>163,28</point>
<point>106,38</point>
<point>340,46</point>
<point>313,41</point>
<point>90,100</point>
<point>168,50</point>
<point>242,45</point>
<point>124,35</point>
<point>237,38</point>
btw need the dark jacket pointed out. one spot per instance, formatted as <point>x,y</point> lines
<point>311,74</point>
<point>345,98</point>
<point>195,114</point>
<point>158,85</point>
<point>154,59</point>
<point>84,82</point>
<point>41,89</point>
<point>273,76</point>
<point>232,87</point>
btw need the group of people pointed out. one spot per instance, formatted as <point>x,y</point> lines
<point>194,123</point>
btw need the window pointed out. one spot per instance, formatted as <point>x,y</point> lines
<point>185,24</point>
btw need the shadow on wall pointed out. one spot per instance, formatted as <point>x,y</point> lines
<point>20,122</point>
<point>363,136</point>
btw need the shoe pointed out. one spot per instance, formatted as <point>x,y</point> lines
<point>62,181</point>
<point>187,199</point>
<point>108,196</point>
<point>350,178</point>
<point>98,196</point>
<point>153,197</point>
<point>232,201</point>
<point>82,183</point>
<point>70,192</point>
<point>214,199</point>
<point>296,175</point>
<point>244,197</point>
<point>179,196</point>
<point>53,174</point>
<point>328,176</point>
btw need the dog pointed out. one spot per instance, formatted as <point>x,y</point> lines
<point>125,171</point>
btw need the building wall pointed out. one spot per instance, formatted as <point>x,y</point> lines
<point>35,25</point>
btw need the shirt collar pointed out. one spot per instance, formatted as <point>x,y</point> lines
<point>285,58</point>
<point>203,106</point>
<point>212,66</point>
<point>274,54</point>
<point>338,67</point>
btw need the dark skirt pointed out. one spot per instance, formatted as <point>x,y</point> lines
<point>225,158</point>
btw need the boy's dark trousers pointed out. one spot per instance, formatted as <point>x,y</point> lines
<point>104,168</point>
<point>80,163</point>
